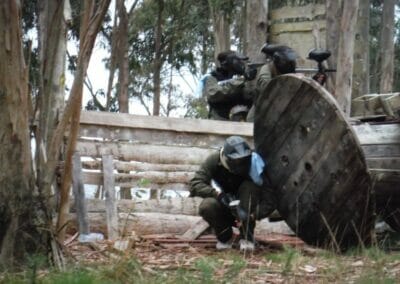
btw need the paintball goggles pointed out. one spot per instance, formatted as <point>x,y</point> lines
<point>318,55</point>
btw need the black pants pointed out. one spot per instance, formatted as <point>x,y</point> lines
<point>253,200</point>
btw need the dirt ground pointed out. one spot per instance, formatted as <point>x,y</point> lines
<point>277,259</point>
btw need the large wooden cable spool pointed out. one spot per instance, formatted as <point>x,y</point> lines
<point>314,163</point>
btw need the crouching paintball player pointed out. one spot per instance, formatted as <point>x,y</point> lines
<point>243,198</point>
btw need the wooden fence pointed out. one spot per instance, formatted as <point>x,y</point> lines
<point>123,150</point>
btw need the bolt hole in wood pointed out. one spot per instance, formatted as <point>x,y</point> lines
<point>304,130</point>
<point>308,167</point>
<point>285,160</point>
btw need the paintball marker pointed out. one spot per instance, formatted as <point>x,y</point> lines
<point>318,55</point>
<point>242,216</point>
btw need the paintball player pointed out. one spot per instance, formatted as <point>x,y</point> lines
<point>237,171</point>
<point>229,97</point>
<point>281,59</point>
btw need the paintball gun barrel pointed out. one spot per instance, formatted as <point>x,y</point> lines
<point>318,55</point>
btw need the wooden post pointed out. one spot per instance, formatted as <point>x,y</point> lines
<point>109,190</point>
<point>79,193</point>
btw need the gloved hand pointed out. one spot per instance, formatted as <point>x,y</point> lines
<point>224,198</point>
<point>250,73</point>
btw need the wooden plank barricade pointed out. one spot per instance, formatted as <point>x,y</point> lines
<point>122,150</point>
<point>163,153</point>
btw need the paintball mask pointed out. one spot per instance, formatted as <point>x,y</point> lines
<point>233,62</point>
<point>283,57</point>
<point>236,155</point>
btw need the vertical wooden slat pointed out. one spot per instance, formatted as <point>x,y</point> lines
<point>79,193</point>
<point>109,190</point>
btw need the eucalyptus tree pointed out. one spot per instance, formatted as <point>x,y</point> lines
<point>26,187</point>
<point>159,51</point>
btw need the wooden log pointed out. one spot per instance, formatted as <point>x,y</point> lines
<point>129,180</point>
<point>158,154</point>
<point>196,230</point>
<point>177,125</point>
<point>141,167</point>
<point>381,150</point>
<point>145,177</point>
<point>377,134</point>
<point>314,162</point>
<point>79,195</point>
<point>158,223</point>
<point>180,206</point>
<point>109,190</point>
<point>153,136</point>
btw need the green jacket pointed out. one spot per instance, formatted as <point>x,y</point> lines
<point>212,169</point>
<point>223,95</point>
<point>263,79</point>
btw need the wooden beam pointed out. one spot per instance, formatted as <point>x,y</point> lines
<point>141,167</point>
<point>369,134</point>
<point>167,123</point>
<point>181,206</point>
<point>109,190</point>
<point>158,154</point>
<point>153,136</point>
<point>149,177</point>
<point>196,230</point>
<point>79,194</point>
<point>307,11</point>
<point>158,223</point>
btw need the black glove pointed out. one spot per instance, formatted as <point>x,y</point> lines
<point>224,199</point>
<point>250,73</point>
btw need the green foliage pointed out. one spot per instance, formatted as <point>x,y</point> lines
<point>232,272</point>
<point>285,258</point>
<point>76,277</point>
<point>207,267</point>
<point>196,108</point>
<point>185,38</point>
<point>373,279</point>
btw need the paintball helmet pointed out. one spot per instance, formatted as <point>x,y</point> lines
<point>236,155</point>
<point>238,113</point>
<point>283,57</point>
<point>232,62</point>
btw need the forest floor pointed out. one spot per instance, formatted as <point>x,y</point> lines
<point>167,259</point>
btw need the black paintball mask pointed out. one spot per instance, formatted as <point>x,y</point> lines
<point>236,155</point>
<point>283,57</point>
<point>232,62</point>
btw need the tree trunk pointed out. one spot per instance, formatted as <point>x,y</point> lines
<point>345,56</point>
<point>333,16</point>
<point>387,52</point>
<point>90,25</point>
<point>52,47</point>
<point>113,60</point>
<point>158,60</point>
<point>221,26</point>
<point>19,210</point>
<point>256,29</point>
<point>123,62</point>
<point>361,56</point>
<point>123,75</point>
